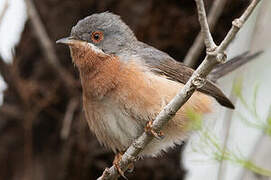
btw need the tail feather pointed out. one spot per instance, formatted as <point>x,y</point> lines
<point>214,91</point>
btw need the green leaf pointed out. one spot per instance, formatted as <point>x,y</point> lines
<point>195,118</point>
<point>254,102</point>
<point>268,123</point>
<point>237,86</point>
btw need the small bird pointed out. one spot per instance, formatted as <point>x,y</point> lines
<point>126,83</point>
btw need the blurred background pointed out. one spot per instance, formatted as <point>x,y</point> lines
<point>43,134</point>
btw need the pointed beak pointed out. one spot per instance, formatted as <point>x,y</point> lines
<point>67,40</point>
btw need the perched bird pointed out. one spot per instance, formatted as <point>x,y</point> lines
<point>126,83</point>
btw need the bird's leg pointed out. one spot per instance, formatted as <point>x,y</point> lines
<point>149,129</point>
<point>117,165</point>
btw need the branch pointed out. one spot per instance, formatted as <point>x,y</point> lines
<point>11,78</point>
<point>5,70</point>
<point>66,126</point>
<point>3,13</point>
<point>198,45</point>
<point>236,25</point>
<point>208,39</point>
<point>8,113</point>
<point>196,80</point>
<point>11,111</point>
<point>47,45</point>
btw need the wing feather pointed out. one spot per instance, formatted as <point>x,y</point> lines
<point>162,64</point>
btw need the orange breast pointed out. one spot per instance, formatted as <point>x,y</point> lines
<point>120,97</point>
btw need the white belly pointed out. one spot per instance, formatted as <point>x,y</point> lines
<point>121,126</point>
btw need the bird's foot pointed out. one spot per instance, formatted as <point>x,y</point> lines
<point>117,165</point>
<point>105,173</point>
<point>149,129</point>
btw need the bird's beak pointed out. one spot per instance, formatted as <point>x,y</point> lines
<point>68,40</point>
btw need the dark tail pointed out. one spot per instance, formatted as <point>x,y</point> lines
<point>220,71</point>
<point>211,89</point>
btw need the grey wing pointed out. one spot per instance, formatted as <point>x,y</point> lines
<point>162,64</point>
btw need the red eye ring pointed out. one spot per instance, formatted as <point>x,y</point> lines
<point>97,36</point>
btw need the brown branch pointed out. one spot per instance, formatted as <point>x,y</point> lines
<point>3,13</point>
<point>5,70</point>
<point>11,111</point>
<point>3,66</point>
<point>11,78</point>
<point>196,80</point>
<point>198,45</point>
<point>25,89</point>
<point>47,45</point>
<point>66,126</point>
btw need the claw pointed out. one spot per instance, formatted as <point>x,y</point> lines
<point>131,167</point>
<point>149,129</point>
<point>105,173</point>
<point>117,165</point>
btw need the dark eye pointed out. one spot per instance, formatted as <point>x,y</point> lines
<point>97,36</point>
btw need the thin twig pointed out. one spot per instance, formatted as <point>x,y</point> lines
<point>47,45</point>
<point>3,13</point>
<point>208,39</point>
<point>236,25</point>
<point>198,45</point>
<point>65,131</point>
<point>196,80</point>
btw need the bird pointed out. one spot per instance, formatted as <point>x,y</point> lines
<point>126,83</point>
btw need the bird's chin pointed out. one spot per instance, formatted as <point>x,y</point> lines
<point>86,55</point>
<point>83,45</point>
<point>96,50</point>
<point>87,48</point>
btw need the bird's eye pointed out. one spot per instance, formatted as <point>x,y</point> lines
<point>97,36</point>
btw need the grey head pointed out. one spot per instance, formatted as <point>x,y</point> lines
<point>104,30</point>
